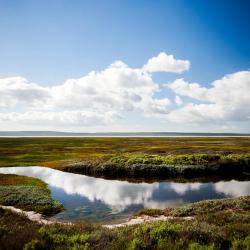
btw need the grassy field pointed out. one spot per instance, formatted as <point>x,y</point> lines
<point>50,151</point>
<point>27,193</point>
<point>220,224</point>
<point>131,157</point>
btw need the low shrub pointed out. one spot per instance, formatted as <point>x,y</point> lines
<point>28,194</point>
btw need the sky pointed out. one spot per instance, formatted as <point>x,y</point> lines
<point>125,66</point>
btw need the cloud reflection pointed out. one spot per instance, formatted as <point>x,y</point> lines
<point>121,194</point>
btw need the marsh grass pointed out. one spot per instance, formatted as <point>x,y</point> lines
<point>16,230</point>
<point>224,224</point>
<point>12,179</point>
<point>170,166</point>
<point>27,193</point>
<point>42,151</point>
<point>132,157</point>
<point>201,207</point>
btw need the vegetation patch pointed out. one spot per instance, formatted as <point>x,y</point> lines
<point>27,193</point>
<point>12,179</point>
<point>169,166</point>
<point>16,230</point>
<point>224,224</point>
<point>133,157</point>
<point>201,207</point>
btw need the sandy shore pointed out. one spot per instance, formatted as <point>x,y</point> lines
<point>31,215</point>
<point>39,218</point>
<point>146,219</point>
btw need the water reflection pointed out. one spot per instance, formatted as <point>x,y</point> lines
<point>97,198</point>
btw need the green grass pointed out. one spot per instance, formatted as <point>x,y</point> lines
<point>132,157</point>
<point>201,207</point>
<point>183,159</point>
<point>16,230</point>
<point>27,193</point>
<point>164,167</point>
<point>53,151</point>
<point>11,179</point>
<point>221,224</point>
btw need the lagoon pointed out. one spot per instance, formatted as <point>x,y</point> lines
<point>101,200</point>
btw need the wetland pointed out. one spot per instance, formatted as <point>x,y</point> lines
<point>90,182</point>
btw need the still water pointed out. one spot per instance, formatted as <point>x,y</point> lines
<point>103,200</point>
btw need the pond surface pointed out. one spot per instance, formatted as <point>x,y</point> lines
<point>103,200</point>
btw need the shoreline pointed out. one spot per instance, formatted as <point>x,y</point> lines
<point>135,220</point>
<point>128,136</point>
<point>211,224</point>
<point>31,215</point>
<point>185,212</point>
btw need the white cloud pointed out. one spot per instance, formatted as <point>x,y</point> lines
<point>16,90</point>
<point>118,87</point>
<point>92,99</point>
<point>227,99</point>
<point>166,63</point>
<point>197,113</point>
<point>183,88</point>
<point>102,98</point>
<point>63,118</point>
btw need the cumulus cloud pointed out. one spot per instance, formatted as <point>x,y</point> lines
<point>166,63</point>
<point>63,118</point>
<point>104,97</point>
<point>226,100</point>
<point>96,98</point>
<point>118,87</point>
<point>16,90</point>
<point>193,90</point>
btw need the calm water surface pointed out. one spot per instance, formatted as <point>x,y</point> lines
<point>103,200</point>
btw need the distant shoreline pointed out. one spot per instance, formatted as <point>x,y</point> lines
<point>52,134</point>
<point>119,136</point>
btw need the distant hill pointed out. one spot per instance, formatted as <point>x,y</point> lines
<point>107,134</point>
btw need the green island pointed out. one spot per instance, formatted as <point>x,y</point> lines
<point>212,224</point>
<point>28,194</point>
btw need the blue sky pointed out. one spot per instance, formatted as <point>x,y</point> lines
<point>48,42</point>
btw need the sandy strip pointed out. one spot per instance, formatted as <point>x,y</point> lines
<point>33,216</point>
<point>39,218</point>
<point>145,219</point>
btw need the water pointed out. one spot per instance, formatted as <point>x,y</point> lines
<point>103,200</point>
